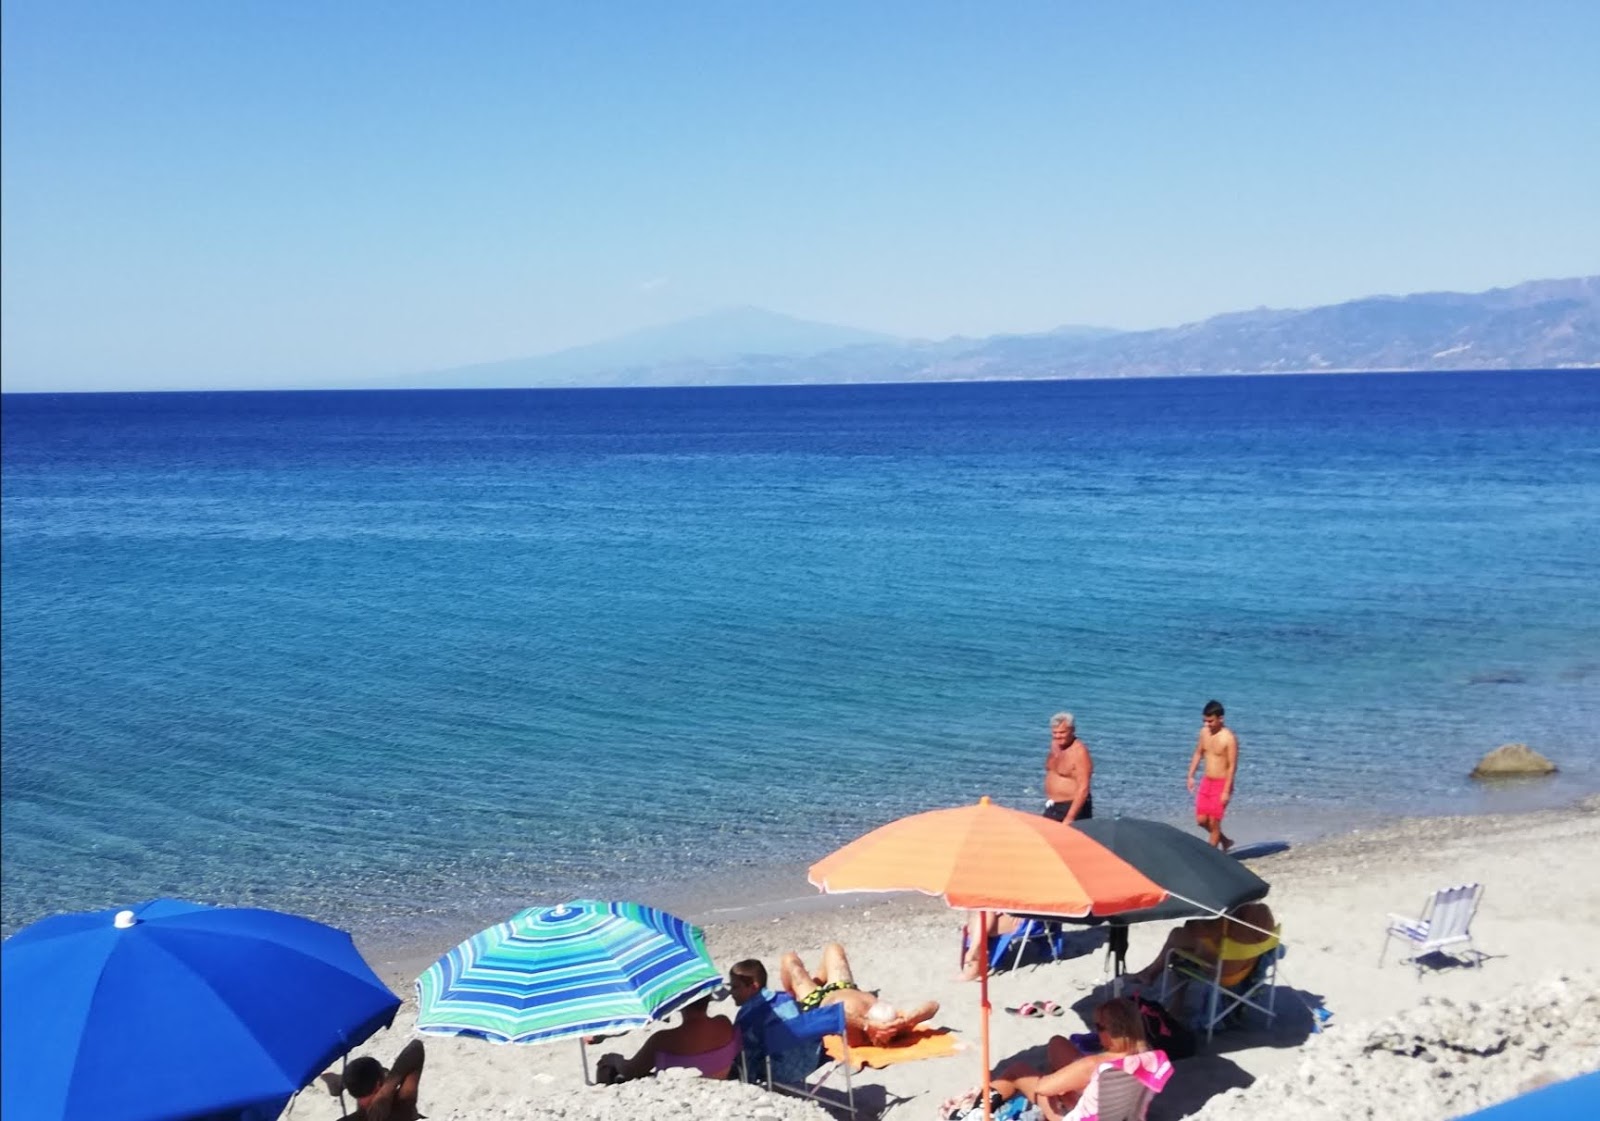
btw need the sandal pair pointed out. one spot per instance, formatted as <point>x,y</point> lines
<point>1038,1009</point>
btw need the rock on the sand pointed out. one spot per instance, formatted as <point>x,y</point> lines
<point>670,1094</point>
<point>1439,1060</point>
<point>1513,759</point>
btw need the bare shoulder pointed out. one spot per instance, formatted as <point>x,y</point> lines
<point>1228,738</point>
<point>1081,1069</point>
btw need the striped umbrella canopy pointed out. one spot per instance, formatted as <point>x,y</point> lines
<point>576,969</point>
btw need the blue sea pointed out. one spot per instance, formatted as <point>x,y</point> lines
<point>408,661</point>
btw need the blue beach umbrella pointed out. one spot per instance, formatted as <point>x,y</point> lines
<point>1576,1097</point>
<point>552,973</point>
<point>172,1010</point>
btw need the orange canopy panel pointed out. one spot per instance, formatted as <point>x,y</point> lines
<point>990,858</point>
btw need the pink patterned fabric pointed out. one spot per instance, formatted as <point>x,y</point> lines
<point>1151,1068</point>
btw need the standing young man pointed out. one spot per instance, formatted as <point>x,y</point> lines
<point>1068,770</point>
<point>1219,747</point>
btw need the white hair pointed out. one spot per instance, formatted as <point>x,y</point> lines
<point>1063,720</point>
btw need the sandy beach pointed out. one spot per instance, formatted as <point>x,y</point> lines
<point>1430,1046</point>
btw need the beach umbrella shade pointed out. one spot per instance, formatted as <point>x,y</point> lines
<point>172,1010</point>
<point>551,973</point>
<point>987,857</point>
<point>1200,878</point>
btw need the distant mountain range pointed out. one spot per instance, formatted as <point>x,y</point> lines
<point>1540,324</point>
<point>719,339</point>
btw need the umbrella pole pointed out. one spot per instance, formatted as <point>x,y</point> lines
<point>583,1057</point>
<point>983,1000</point>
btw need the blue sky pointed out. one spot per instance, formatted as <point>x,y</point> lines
<point>252,194</point>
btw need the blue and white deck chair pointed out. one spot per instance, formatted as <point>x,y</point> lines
<point>1446,922</point>
<point>807,1030</point>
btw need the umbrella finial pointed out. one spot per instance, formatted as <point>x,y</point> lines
<point>984,801</point>
<point>124,920</point>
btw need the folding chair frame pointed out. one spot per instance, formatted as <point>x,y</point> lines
<point>1453,909</point>
<point>811,1027</point>
<point>1028,930</point>
<point>1221,1001</point>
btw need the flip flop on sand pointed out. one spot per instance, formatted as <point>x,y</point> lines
<point>1051,1008</point>
<point>1031,1010</point>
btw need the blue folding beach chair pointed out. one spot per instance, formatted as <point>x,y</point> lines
<point>807,1030</point>
<point>1028,931</point>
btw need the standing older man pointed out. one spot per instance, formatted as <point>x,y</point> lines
<point>1068,771</point>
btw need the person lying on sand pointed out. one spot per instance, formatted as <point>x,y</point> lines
<point>867,1018</point>
<point>1056,1090</point>
<point>381,1095</point>
<point>707,1043</point>
<point>1203,938</point>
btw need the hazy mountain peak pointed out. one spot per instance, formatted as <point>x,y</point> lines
<point>716,337</point>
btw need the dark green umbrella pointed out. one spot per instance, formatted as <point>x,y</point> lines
<point>1200,879</point>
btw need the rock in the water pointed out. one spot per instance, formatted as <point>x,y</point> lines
<point>1513,759</point>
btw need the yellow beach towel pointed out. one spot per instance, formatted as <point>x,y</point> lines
<point>918,1043</point>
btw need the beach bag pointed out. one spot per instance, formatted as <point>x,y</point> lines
<point>1164,1032</point>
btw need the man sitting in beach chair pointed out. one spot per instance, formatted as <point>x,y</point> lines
<point>871,1020</point>
<point>381,1095</point>
<point>706,1043</point>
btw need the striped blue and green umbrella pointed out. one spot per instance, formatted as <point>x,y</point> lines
<point>551,973</point>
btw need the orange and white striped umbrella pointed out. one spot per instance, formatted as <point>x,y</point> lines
<point>990,858</point>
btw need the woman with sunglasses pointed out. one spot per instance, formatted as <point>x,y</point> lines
<point>1057,1092</point>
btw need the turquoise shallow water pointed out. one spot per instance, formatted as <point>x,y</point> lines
<point>398,659</point>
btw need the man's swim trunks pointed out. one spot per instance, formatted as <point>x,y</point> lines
<point>813,999</point>
<point>1057,811</point>
<point>1208,799</point>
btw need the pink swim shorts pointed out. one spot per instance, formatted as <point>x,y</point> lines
<point>1208,799</point>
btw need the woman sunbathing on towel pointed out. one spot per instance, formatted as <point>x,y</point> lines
<point>867,1018</point>
<point>1057,1091</point>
